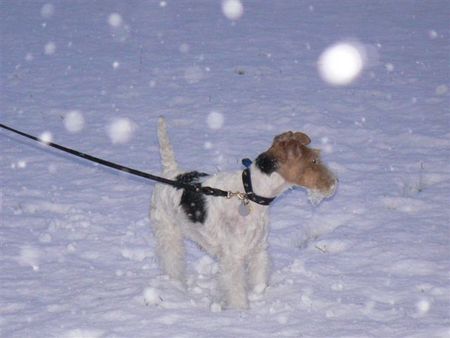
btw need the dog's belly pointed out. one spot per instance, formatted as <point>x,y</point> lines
<point>237,235</point>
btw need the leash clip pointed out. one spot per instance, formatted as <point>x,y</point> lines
<point>244,207</point>
<point>240,195</point>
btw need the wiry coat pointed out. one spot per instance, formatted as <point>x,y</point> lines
<point>214,223</point>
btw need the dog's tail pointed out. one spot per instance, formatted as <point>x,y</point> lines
<point>169,163</point>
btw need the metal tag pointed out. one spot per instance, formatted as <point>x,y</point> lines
<point>244,209</point>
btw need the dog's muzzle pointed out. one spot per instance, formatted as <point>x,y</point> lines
<point>316,196</point>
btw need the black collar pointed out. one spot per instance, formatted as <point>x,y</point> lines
<point>247,182</point>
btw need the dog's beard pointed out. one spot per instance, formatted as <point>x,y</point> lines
<point>316,196</point>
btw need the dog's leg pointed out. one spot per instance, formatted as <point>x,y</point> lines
<point>170,247</point>
<point>258,269</point>
<point>171,251</point>
<point>232,277</point>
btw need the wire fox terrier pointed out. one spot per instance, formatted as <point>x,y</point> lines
<point>233,230</point>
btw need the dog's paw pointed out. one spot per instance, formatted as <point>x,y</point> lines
<point>215,307</point>
<point>257,293</point>
<point>260,288</point>
<point>238,305</point>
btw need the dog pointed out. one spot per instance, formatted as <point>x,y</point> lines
<point>233,230</point>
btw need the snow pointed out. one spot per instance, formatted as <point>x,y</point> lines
<point>152,297</point>
<point>77,254</point>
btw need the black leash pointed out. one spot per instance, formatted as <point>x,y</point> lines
<point>194,187</point>
<point>176,184</point>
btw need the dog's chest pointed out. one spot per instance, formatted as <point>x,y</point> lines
<point>238,233</point>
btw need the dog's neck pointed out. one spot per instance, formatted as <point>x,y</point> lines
<point>267,185</point>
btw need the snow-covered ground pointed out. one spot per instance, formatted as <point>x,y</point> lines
<point>77,252</point>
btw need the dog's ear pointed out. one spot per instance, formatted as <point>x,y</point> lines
<point>289,145</point>
<point>298,136</point>
<point>282,137</point>
<point>302,138</point>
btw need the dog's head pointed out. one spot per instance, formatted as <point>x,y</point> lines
<point>299,165</point>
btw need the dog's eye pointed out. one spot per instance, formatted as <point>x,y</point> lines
<point>315,161</point>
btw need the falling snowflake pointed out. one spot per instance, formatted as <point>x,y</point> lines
<point>215,120</point>
<point>50,48</point>
<point>193,74</point>
<point>74,121</point>
<point>341,63</point>
<point>441,89</point>
<point>121,130</point>
<point>232,9</point>
<point>29,256</point>
<point>46,137</point>
<point>423,307</point>
<point>432,34</point>
<point>184,48</point>
<point>120,31</point>
<point>389,67</point>
<point>47,11</point>
<point>115,20</point>
<point>29,57</point>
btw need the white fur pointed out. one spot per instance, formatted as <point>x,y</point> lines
<point>239,243</point>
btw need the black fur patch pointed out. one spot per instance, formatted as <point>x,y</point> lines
<point>266,163</point>
<point>193,203</point>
